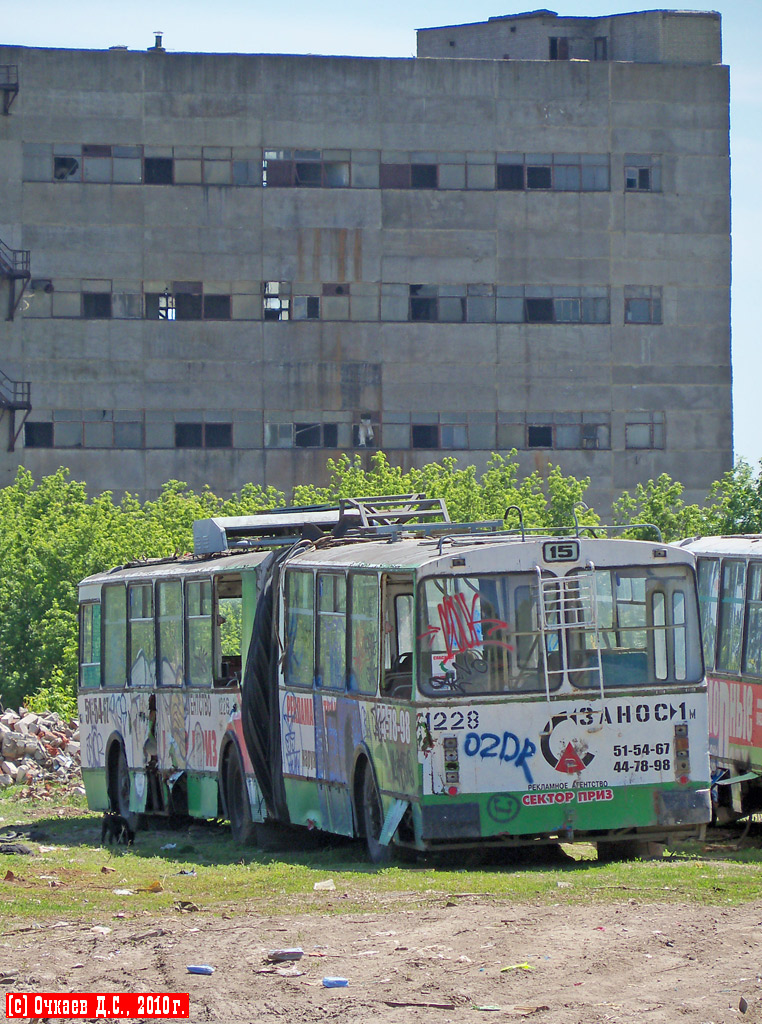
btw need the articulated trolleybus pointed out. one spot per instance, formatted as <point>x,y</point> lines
<point>730,600</point>
<point>375,670</point>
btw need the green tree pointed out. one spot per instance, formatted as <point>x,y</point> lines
<point>660,503</point>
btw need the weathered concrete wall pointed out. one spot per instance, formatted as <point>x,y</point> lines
<point>115,389</point>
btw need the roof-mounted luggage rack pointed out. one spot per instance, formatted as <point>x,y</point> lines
<point>274,528</point>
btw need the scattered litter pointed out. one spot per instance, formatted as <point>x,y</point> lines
<point>187,871</point>
<point>327,886</point>
<point>518,967</point>
<point>49,849</point>
<point>74,967</point>
<point>10,877</point>
<point>200,969</point>
<point>185,906</point>
<point>285,971</point>
<point>489,1009</point>
<point>432,1006</point>
<point>563,885</point>
<point>16,848</point>
<point>296,953</point>
<point>101,929</point>
<point>124,892</point>
<point>107,871</point>
<point>168,846</point>
<point>335,982</point>
<point>743,1006</point>
<point>153,887</point>
<point>153,934</point>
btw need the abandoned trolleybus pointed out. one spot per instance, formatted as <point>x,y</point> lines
<point>375,670</point>
<point>730,599</point>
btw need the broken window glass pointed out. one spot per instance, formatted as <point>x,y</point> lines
<point>425,435</point>
<point>309,175</point>
<point>423,175</point>
<point>539,437</point>
<point>539,177</point>
<point>158,170</point>
<point>279,435</point>
<point>96,305</point>
<point>539,311</point>
<point>188,307</point>
<point>66,168</point>
<point>189,435</point>
<point>307,435</point>
<point>38,435</point>
<point>276,300</point>
<point>423,302</point>
<point>218,435</point>
<point>336,173</point>
<point>510,177</point>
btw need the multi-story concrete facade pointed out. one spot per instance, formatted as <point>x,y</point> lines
<point>241,265</point>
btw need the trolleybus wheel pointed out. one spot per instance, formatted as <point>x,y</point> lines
<point>237,800</point>
<point>373,819</point>
<point>119,787</point>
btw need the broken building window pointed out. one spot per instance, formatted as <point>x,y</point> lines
<point>306,307</point>
<point>96,164</point>
<point>316,435</point>
<point>562,172</point>
<point>642,173</point>
<point>217,307</point>
<point>276,300</point>
<point>96,305</point>
<point>158,170</point>
<point>423,175</point>
<point>424,435</point>
<point>365,433</point>
<point>644,430</point>
<point>203,435</point>
<point>423,303</point>
<point>279,435</point>
<point>510,177</point>
<point>66,168</point>
<point>642,305</point>
<point>538,310</point>
<point>539,436</point>
<point>306,168</point>
<point>38,435</point>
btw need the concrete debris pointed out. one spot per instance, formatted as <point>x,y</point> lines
<point>37,750</point>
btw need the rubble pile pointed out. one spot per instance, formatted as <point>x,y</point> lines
<point>38,749</point>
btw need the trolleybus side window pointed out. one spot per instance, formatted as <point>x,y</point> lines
<point>300,638</point>
<point>752,656</point>
<point>227,631</point>
<point>142,636</point>
<point>363,632</point>
<point>708,588</point>
<point>90,653</point>
<point>169,614</point>
<point>114,652</point>
<point>332,630</point>
<point>198,619</point>
<point>732,595</point>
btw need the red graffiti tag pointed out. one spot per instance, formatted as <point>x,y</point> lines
<point>462,630</point>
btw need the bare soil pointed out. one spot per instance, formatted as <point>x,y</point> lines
<point>471,956</point>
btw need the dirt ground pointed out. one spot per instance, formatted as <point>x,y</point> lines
<point>469,956</point>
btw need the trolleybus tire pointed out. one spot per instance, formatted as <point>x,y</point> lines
<point>244,830</point>
<point>119,785</point>
<point>373,819</point>
<point>630,849</point>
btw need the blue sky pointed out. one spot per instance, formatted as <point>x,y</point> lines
<point>343,27</point>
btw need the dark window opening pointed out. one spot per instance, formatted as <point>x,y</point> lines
<point>38,435</point>
<point>559,48</point>
<point>216,307</point>
<point>218,435</point>
<point>423,307</point>
<point>539,437</point>
<point>539,311</point>
<point>644,178</point>
<point>96,305</point>
<point>189,435</point>
<point>423,175</point>
<point>510,177</point>
<point>425,435</point>
<point>158,170</point>
<point>309,175</point>
<point>330,435</point>
<point>539,177</point>
<point>188,307</point>
<point>313,307</point>
<point>65,167</point>
<point>307,435</point>
<point>279,173</point>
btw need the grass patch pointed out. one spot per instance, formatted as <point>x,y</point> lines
<point>70,877</point>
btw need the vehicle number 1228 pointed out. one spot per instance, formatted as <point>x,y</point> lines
<point>452,721</point>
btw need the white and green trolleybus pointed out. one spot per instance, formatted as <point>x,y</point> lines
<point>375,670</point>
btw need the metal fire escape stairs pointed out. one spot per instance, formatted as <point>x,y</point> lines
<point>568,605</point>
<point>15,396</point>
<point>14,267</point>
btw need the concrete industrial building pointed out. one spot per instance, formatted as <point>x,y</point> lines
<point>225,268</point>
